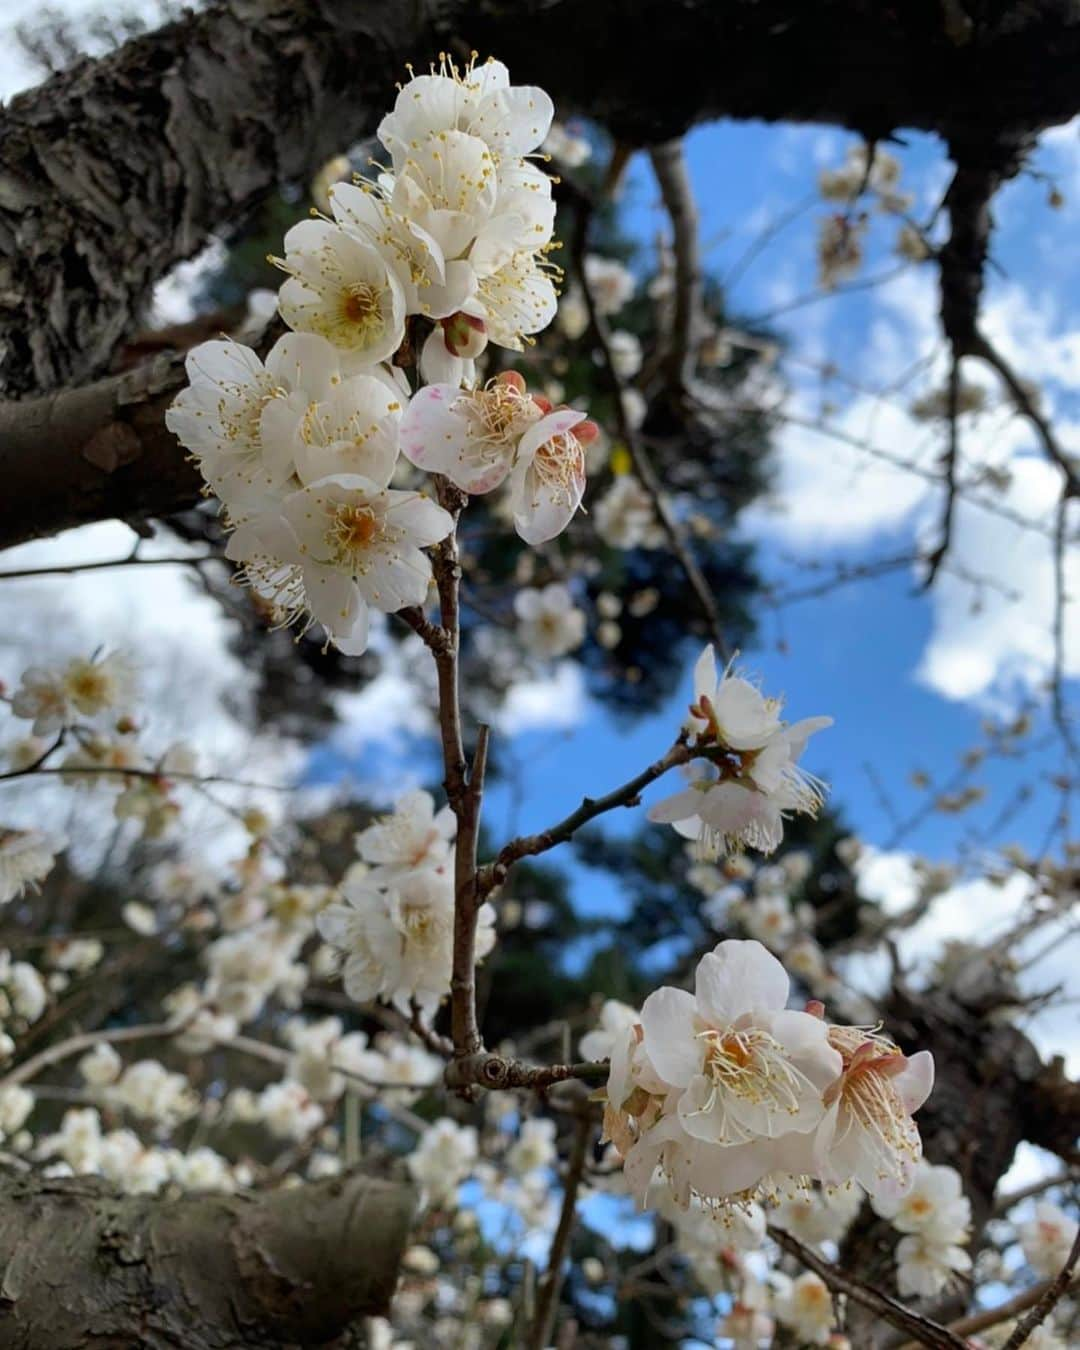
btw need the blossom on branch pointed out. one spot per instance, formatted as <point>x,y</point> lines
<point>745,777</point>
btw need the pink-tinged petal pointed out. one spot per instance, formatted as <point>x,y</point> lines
<point>554,424</point>
<point>438,439</point>
<point>668,1021</point>
<point>679,806</point>
<point>739,977</point>
<point>916,1081</point>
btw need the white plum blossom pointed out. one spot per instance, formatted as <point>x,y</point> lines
<point>746,1070</point>
<point>805,1307</point>
<point>616,1019</point>
<point>148,1089</point>
<point>342,289</point>
<point>562,144</point>
<point>610,283</point>
<point>625,349</point>
<point>818,1214</point>
<point>16,1104</point>
<point>479,438</point>
<point>397,936</point>
<point>934,1207</point>
<point>625,517</point>
<point>288,1111</point>
<point>549,623</point>
<point>1047,1239</point>
<point>868,1133</point>
<point>26,859</point>
<point>100,1066</point>
<point>924,1265</point>
<point>338,548</point>
<point>534,1147</point>
<point>444,1157</point>
<point>412,836</point>
<point>745,777</point>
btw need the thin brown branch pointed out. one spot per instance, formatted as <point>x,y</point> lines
<point>1050,1299</point>
<point>950,464</point>
<point>924,1330</point>
<point>529,845</point>
<point>465,1030</point>
<point>498,1073</point>
<point>547,1300</point>
<point>86,1040</point>
<point>639,456</point>
<point>70,569</point>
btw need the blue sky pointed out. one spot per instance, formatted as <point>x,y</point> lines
<point>907,677</point>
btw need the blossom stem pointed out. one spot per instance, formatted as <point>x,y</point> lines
<point>528,845</point>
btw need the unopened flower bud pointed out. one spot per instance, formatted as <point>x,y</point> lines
<point>465,335</point>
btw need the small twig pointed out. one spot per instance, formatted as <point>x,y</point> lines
<point>547,1301</point>
<point>950,466</point>
<point>86,1040</point>
<point>1046,1304</point>
<point>526,846</point>
<point>643,466</point>
<point>497,1073</point>
<point>70,568</point>
<point>925,1331</point>
<point>688,321</point>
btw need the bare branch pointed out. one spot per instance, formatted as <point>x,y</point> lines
<point>924,1330</point>
<point>525,846</point>
<point>547,1301</point>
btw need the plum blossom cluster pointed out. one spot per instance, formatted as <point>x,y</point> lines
<point>714,1093</point>
<point>82,722</point>
<point>395,927</point>
<point>450,244</point>
<point>744,776</point>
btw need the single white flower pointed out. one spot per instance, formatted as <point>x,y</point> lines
<point>625,349</point>
<point>512,120</point>
<point>625,517</point>
<point>611,284</point>
<point>43,698</point>
<point>414,835</point>
<point>616,1019</point>
<point>94,687</point>
<point>534,1147</point>
<point>934,1208</point>
<point>867,1132</point>
<point>339,547</point>
<point>745,777</point>
<point>26,859</point>
<point>100,1066</point>
<point>805,1307</point>
<point>924,1266</point>
<point>1047,1239</point>
<point>16,1103</point>
<point>288,1112</point>
<point>549,623</point>
<point>443,1158</point>
<point>744,1066</point>
<point>342,289</point>
<point>570,150</point>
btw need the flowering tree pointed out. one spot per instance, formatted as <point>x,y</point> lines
<point>334,1144</point>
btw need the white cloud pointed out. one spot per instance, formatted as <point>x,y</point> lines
<point>986,645</point>
<point>553,703</point>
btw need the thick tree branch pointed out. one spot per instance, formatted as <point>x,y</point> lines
<point>86,1269</point>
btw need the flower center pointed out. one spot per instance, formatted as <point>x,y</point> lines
<point>360,305</point>
<point>353,531</point>
<point>560,464</point>
<point>749,1065</point>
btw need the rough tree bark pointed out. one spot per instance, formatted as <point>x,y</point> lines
<point>117,168</point>
<point>84,1269</point>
